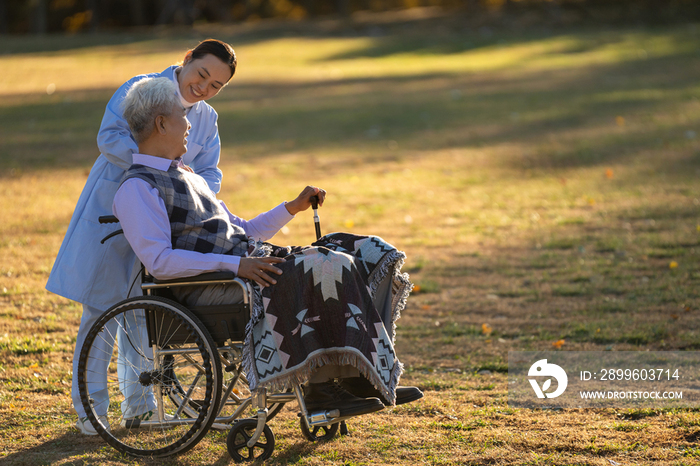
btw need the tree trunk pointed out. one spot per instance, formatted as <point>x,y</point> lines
<point>136,9</point>
<point>177,11</point>
<point>94,7</point>
<point>3,18</point>
<point>39,23</point>
<point>310,7</point>
<point>343,7</point>
<point>223,10</point>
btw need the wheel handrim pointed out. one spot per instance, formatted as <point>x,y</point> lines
<point>188,366</point>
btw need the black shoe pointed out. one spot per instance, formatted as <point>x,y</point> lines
<point>359,386</point>
<point>330,395</point>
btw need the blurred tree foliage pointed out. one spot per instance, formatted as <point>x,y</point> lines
<point>49,16</point>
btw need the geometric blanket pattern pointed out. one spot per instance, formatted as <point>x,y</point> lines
<point>321,312</point>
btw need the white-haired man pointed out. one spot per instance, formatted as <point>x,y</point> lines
<point>178,228</point>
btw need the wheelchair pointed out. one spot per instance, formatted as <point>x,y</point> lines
<point>154,376</point>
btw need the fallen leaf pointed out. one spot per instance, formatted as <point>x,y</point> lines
<point>609,173</point>
<point>620,120</point>
<point>673,265</point>
<point>674,316</point>
<point>559,343</point>
<point>486,329</point>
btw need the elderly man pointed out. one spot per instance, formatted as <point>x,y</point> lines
<point>315,316</point>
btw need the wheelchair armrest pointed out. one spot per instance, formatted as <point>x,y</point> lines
<point>198,279</point>
<point>209,278</point>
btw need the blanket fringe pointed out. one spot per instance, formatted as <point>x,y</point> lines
<point>301,375</point>
<point>401,285</point>
<point>257,313</point>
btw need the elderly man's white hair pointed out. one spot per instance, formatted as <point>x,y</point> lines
<point>144,101</point>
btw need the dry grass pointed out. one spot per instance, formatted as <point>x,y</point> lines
<point>541,183</point>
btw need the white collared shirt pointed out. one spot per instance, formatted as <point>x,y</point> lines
<point>144,218</point>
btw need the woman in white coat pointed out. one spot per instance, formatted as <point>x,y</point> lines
<point>97,275</point>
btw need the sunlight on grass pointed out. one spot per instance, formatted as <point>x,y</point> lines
<point>543,185</point>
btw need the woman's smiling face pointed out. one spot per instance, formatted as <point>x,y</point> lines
<point>202,78</point>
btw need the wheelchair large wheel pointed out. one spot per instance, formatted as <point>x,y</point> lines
<point>135,355</point>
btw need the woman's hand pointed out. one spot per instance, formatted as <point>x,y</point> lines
<point>303,200</point>
<point>257,269</point>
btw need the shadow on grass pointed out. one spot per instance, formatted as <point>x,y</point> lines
<point>248,33</point>
<point>73,448</point>
<point>55,450</point>
<point>412,113</point>
<point>430,31</point>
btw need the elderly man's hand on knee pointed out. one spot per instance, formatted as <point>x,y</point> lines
<point>257,269</point>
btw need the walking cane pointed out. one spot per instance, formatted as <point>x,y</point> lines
<point>317,221</point>
<point>317,224</point>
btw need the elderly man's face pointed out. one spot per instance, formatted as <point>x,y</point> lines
<point>178,128</point>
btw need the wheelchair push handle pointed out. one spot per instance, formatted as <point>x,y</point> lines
<point>317,220</point>
<point>108,219</point>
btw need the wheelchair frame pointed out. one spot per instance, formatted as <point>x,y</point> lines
<point>181,357</point>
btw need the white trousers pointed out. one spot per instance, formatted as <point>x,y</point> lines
<point>134,356</point>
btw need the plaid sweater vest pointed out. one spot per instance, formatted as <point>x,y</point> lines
<point>197,221</point>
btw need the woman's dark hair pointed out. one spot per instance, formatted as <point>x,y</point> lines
<point>219,49</point>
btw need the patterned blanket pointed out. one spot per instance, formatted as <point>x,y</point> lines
<point>321,311</point>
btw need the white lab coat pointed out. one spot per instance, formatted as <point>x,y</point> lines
<point>95,274</point>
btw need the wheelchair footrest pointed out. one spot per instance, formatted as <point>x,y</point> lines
<point>323,417</point>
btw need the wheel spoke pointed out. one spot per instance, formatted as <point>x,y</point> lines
<point>117,369</point>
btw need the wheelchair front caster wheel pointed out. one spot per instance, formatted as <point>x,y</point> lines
<point>318,433</point>
<point>237,442</point>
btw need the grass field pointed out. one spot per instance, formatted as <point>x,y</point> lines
<point>544,185</point>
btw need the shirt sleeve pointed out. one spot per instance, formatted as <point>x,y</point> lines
<point>144,219</point>
<point>205,164</point>
<point>114,138</point>
<point>264,226</point>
